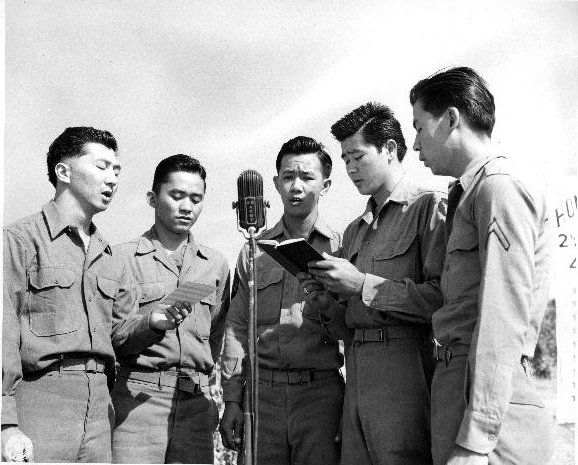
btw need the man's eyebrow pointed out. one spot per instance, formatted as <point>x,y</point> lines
<point>350,152</point>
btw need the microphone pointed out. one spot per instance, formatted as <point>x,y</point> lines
<point>250,205</point>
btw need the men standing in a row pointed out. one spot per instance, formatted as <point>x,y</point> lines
<point>495,283</point>
<point>164,410</point>
<point>300,388</point>
<point>388,283</point>
<point>60,285</point>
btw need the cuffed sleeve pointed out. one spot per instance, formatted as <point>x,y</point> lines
<point>415,300</point>
<point>219,312</point>
<point>131,330</point>
<point>508,223</point>
<point>235,346</point>
<point>11,364</point>
<point>14,291</point>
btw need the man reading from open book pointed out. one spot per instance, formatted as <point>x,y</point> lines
<point>164,411</point>
<point>300,388</point>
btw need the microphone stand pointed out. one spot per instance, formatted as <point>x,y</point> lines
<point>252,367</point>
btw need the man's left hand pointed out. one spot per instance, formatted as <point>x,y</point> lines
<point>338,275</point>
<point>461,456</point>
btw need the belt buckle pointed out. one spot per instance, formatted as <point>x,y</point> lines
<point>294,380</point>
<point>90,365</point>
<point>436,349</point>
<point>381,334</point>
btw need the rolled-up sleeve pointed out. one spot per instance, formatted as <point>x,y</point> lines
<point>509,222</point>
<point>219,312</point>
<point>14,291</point>
<point>131,331</point>
<point>11,364</point>
<point>415,300</point>
<point>233,369</point>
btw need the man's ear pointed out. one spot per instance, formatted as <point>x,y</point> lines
<point>326,186</point>
<point>275,178</point>
<point>63,172</point>
<point>152,199</point>
<point>453,115</point>
<point>391,147</point>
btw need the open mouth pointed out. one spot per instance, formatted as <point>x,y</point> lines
<point>295,200</point>
<point>107,195</point>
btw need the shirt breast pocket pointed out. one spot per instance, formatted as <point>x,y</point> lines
<point>49,301</point>
<point>461,279</point>
<point>151,293</point>
<point>395,259</point>
<point>202,316</point>
<point>269,290</point>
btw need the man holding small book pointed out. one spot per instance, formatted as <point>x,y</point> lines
<point>300,387</point>
<point>164,410</point>
<point>387,280</point>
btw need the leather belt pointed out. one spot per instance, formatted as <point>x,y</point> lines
<point>386,333</point>
<point>183,380</point>
<point>86,364</point>
<point>295,376</point>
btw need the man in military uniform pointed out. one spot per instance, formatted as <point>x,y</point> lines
<point>387,279</point>
<point>164,410</point>
<point>60,283</point>
<point>300,388</point>
<point>495,282</point>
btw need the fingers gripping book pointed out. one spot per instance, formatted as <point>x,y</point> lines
<point>292,254</point>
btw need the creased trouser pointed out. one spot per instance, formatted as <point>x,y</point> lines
<point>525,433</point>
<point>68,416</point>
<point>386,417</point>
<point>162,425</point>
<point>298,422</point>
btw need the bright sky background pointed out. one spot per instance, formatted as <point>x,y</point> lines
<point>229,82</point>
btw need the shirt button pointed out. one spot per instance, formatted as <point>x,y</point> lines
<point>90,299</point>
<point>492,437</point>
<point>367,242</point>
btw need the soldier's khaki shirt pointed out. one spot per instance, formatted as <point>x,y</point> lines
<point>290,333</point>
<point>495,287</point>
<point>58,298</point>
<point>400,248</point>
<point>196,343</point>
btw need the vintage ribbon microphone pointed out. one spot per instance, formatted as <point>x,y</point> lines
<point>251,218</point>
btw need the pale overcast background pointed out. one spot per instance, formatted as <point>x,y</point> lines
<point>229,82</point>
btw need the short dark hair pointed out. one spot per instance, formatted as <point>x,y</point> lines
<point>302,145</point>
<point>174,163</point>
<point>376,123</point>
<point>71,144</point>
<point>459,87</point>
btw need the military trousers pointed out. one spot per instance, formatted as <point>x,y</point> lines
<point>67,415</point>
<point>297,423</point>
<point>386,414</point>
<point>525,435</point>
<point>162,424</point>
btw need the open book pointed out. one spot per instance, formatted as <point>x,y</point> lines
<point>292,254</point>
<point>188,292</point>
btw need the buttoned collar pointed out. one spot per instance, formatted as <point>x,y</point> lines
<point>57,223</point>
<point>280,229</point>
<point>149,242</point>
<point>400,194</point>
<point>473,170</point>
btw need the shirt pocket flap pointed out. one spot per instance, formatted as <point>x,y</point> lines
<point>268,277</point>
<point>463,242</point>
<point>395,247</point>
<point>209,300</point>
<point>151,292</point>
<point>109,287</point>
<point>51,277</point>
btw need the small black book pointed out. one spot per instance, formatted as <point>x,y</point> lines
<point>292,254</point>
